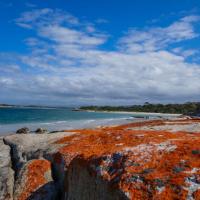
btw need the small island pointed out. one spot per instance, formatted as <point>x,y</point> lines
<point>3,105</point>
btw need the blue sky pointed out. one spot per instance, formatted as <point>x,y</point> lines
<point>99,52</point>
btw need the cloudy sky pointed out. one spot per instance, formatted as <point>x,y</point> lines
<point>64,52</point>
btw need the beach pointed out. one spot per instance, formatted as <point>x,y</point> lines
<point>150,114</point>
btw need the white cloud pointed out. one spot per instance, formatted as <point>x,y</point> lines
<point>156,38</point>
<point>44,17</point>
<point>66,64</point>
<point>6,68</point>
<point>66,35</point>
<point>185,53</point>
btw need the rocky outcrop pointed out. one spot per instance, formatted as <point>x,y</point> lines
<point>158,159</point>
<point>28,147</point>
<point>82,184</point>
<point>41,130</point>
<point>35,181</point>
<point>6,173</point>
<point>24,130</point>
<point>25,147</point>
<point>126,162</point>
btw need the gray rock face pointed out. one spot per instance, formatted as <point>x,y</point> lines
<point>81,185</point>
<point>6,173</point>
<point>26,147</point>
<point>41,131</point>
<point>24,130</point>
<point>168,126</point>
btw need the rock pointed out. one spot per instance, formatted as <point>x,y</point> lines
<point>83,186</point>
<point>141,160</point>
<point>41,131</point>
<point>6,173</point>
<point>35,181</point>
<point>32,146</point>
<point>98,168</point>
<point>24,130</point>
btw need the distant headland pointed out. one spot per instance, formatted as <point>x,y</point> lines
<point>29,106</point>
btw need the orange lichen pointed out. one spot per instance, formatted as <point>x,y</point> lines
<point>151,164</point>
<point>35,177</point>
<point>196,194</point>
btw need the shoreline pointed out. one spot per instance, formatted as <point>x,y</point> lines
<point>90,124</point>
<point>8,129</point>
<point>135,113</point>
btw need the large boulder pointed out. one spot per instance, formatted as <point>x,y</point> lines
<point>126,162</point>
<point>32,146</point>
<point>6,172</point>
<point>35,182</point>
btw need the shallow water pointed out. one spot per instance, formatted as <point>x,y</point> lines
<point>12,119</point>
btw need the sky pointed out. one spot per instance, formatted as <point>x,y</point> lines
<point>92,52</point>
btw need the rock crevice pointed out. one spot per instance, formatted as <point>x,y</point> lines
<point>6,172</point>
<point>23,154</point>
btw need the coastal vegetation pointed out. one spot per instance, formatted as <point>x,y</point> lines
<point>185,108</point>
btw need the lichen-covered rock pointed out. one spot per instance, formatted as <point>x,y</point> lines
<point>157,159</point>
<point>35,182</point>
<point>135,163</point>
<point>6,173</point>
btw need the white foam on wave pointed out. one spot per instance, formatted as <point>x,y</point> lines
<point>63,125</point>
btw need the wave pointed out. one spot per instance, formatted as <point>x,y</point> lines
<point>64,125</point>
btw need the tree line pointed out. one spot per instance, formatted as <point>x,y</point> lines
<point>189,108</point>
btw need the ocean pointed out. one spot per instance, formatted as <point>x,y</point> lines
<point>55,119</point>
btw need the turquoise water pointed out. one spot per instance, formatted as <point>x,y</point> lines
<point>27,115</point>
<point>54,119</point>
